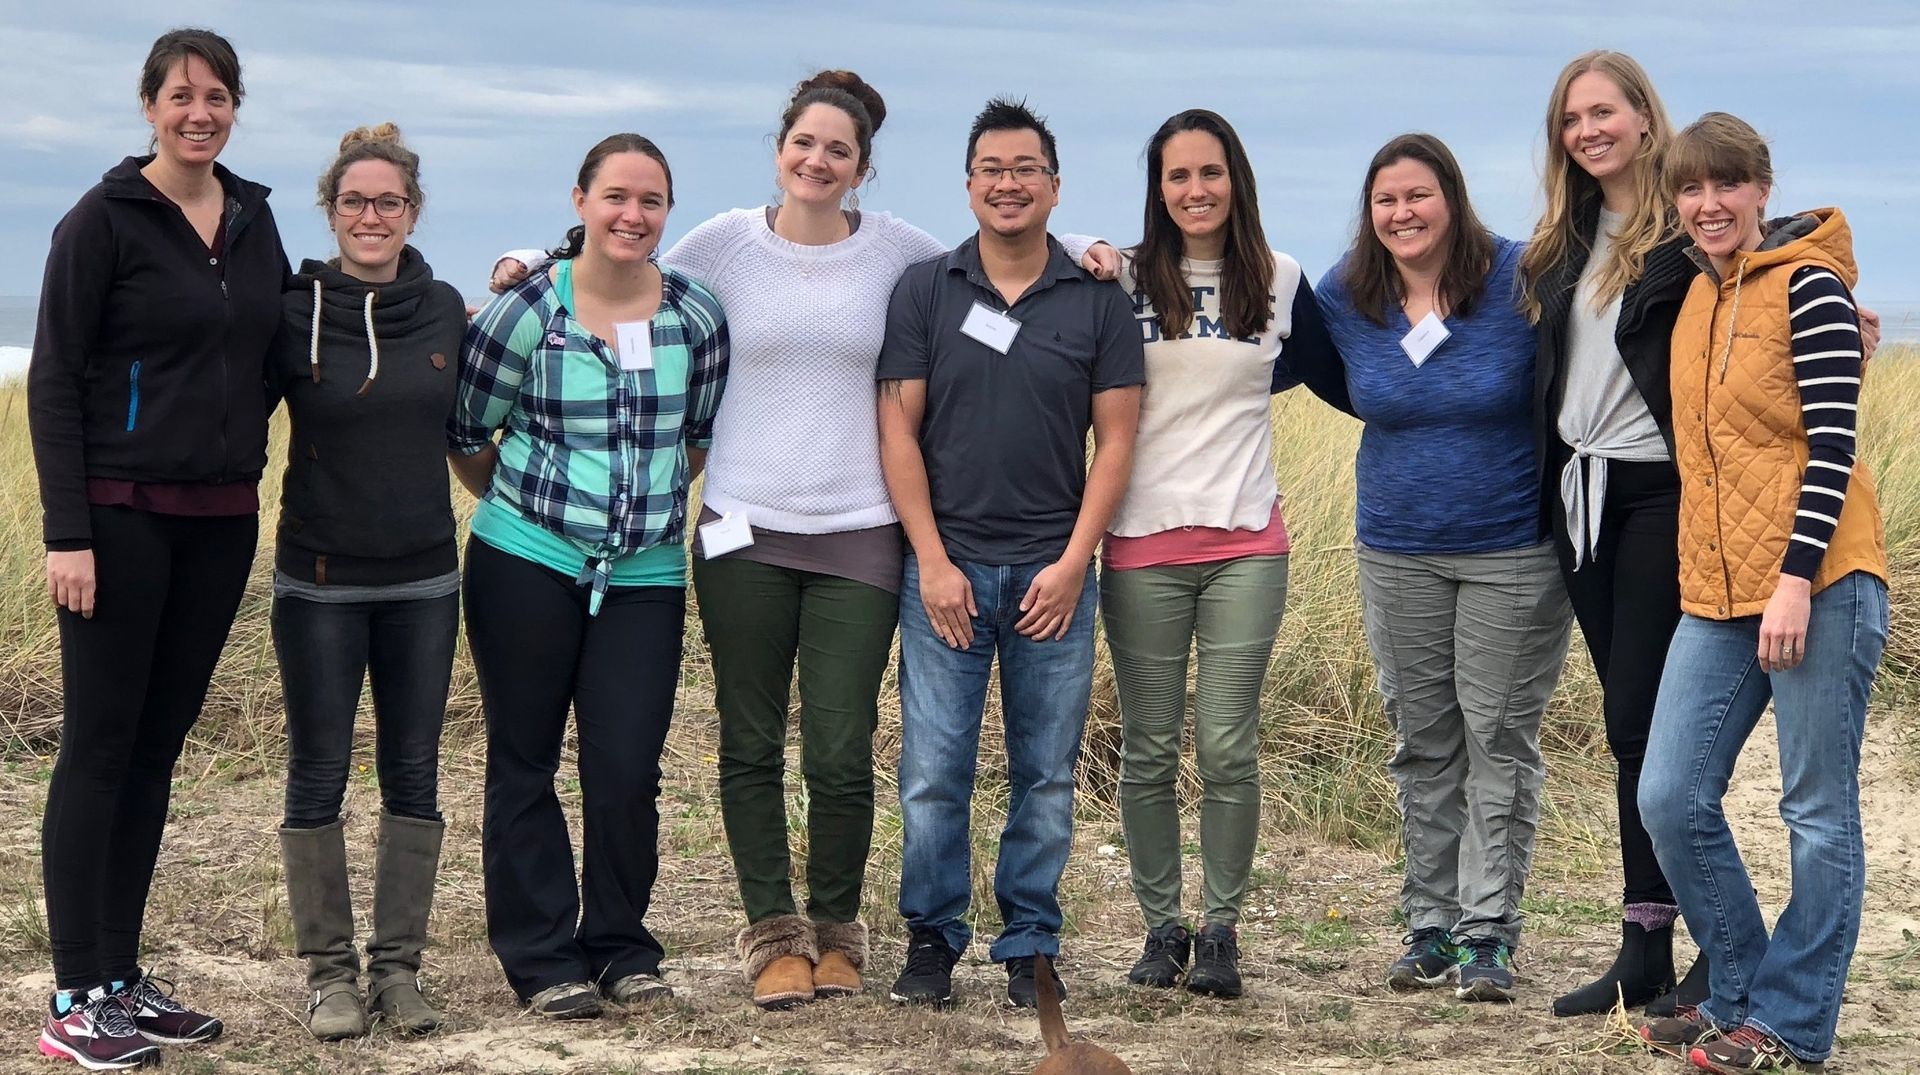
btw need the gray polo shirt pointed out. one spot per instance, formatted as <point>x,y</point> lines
<point>1005,436</point>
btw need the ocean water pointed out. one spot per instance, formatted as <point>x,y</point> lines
<point>16,334</point>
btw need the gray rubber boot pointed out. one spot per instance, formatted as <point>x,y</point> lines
<point>315,864</point>
<point>406,861</point>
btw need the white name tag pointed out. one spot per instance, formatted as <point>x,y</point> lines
<point>1425,339</point>
<point>725,534</point>
<point>990,327</point>
<point>634,341</point>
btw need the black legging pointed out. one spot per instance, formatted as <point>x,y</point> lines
<point>1626,597</point>
<point>133,678</point>
<point>536,652</point>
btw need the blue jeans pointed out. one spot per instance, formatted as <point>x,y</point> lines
<point>1711,697</point>
<point>1044,689</point>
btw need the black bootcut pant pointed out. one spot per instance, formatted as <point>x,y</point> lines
<point>1626,597</point>
<point>537,652</point>
<point>133,680</point>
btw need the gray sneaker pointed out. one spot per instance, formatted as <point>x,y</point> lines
<point>639,989</point>
<point>568,1000</point>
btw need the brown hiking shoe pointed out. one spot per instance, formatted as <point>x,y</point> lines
<point>1679,1032</point>
<point>1749,1049</point>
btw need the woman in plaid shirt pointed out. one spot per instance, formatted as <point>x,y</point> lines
<point>604,372</point>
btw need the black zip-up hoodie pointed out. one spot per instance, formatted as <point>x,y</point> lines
<point>149,355</point>
<point>366,500</point>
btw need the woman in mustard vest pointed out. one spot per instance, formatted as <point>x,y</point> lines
<point>1783,597</point>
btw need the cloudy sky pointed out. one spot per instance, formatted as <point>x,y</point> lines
<point>502,99</point>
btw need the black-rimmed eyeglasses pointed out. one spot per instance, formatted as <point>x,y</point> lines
<point>1025,173</point>
<point>386,206</point>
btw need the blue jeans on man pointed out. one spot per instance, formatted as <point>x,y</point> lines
<point>1712,695</point>
<point>1044,691</point>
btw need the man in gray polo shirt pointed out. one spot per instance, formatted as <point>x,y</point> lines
<point>998,358</point>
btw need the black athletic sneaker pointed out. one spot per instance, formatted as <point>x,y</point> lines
<point>1216,962</point>
<point>1431,960</point>
<point>1023,990</point>
<point>97,1033</point>
<point>1164,957</point>
<point>928,976</point>
<point>1486,969</point>
<point>164,1020</point>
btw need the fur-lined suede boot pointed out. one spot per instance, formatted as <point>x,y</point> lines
<point>843,952</point>
<point>776,958</point>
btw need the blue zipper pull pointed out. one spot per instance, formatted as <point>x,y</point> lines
<point>133,394</point>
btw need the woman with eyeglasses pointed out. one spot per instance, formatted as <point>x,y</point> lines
<point>367,577</point>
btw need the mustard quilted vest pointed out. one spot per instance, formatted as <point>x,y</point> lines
<point>1739,440</point>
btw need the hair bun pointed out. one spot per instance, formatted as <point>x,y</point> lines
<point>382,132</point>
<point>847,82</point>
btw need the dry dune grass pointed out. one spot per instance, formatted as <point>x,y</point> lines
<point>1319,926</point>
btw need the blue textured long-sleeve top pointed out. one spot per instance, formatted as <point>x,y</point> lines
<point>1446,462</point>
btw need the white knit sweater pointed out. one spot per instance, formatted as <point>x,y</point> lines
<point>795,442</point>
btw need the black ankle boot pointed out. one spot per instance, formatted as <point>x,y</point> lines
<point>1691,991</point>
<point>1642,971</point>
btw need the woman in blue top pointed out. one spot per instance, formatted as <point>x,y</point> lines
<point>605,371</point>
<point>1464,608</point>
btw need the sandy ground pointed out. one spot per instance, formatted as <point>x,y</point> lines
<point>1318,937</point>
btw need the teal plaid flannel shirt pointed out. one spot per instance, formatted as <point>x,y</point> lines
<point>591,452</point>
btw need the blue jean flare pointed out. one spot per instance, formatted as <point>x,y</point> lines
<point>1044,691</point>
<point>1712,695</point>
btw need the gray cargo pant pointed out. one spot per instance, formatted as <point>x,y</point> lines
<point>1468,648</point>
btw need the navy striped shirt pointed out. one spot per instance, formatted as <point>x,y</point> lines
<point>1826,366</point>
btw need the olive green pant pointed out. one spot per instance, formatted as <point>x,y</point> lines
<point>760,621</point>
<point>1153,616</point>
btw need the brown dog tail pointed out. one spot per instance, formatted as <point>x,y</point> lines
<point>1053,1025</point>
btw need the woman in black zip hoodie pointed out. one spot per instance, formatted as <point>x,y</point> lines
<point>160,304</point>
<point>367,577</point>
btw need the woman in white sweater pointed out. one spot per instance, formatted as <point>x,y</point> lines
<point>1199,549</point>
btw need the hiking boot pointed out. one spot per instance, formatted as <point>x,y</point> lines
<point>638,989</point>
<point>1677,1033</point>
<point>164,1020</point>
<point>928,976</point>
<point>1641,972</point>
<point>336,1013</point>
<point>1023,989</point>
<point>97,1032</point>
<point>1486,969</point>
<point>1431,960</point>
<point>1216,962</point>
<point>1163,958</point>
<point>568,1000</point>
<point>1749,1049</point>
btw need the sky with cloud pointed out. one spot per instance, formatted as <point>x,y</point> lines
<point>502,99</point>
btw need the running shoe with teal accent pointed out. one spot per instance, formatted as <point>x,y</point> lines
<point>1486,969</point>
<point>1431,960</point>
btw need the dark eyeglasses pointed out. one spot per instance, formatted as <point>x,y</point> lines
<point>1025,173</point>
<point>386,206</point>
